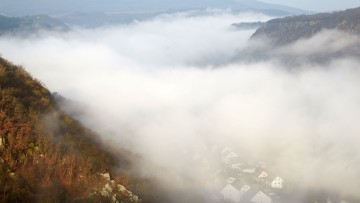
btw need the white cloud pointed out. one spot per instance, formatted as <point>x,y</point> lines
<point>154,84</point>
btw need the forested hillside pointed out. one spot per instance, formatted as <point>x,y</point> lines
<point>282,31</point>
<point>47,156</point>
<point>317,39</point>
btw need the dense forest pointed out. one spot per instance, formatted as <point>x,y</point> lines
<point>46,155</point>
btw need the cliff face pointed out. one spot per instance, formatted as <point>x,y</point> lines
<point>289,29</point>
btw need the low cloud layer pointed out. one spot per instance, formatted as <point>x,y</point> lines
<point>164,88</point>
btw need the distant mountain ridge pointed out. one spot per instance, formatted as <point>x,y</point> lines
<point>96,13</point>
<point>298,40</point>
<point>30,24</point>
<point>58,7</point>
<point>289,29</point>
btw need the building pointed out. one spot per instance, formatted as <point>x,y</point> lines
<point>261,176</point>
<point>261,197</point>
<point>277,182</point>
<point>230,193</point>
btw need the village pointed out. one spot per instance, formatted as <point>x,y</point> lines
<point>243,181</point>
<point>247,181</point>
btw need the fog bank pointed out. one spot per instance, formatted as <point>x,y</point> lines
<point>164,87</point>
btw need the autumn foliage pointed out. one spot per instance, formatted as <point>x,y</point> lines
<point>45,155</point>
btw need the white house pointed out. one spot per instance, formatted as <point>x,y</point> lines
<point>230,180</point>
<point>262,175</point>
<point>228,155</point>
<point>249,170</point>
<point>230,193</point>
<point>277,183</point>
<point>261,197</point>
<point>227,158</point>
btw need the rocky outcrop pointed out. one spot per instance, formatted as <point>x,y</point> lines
<point>112,191</point>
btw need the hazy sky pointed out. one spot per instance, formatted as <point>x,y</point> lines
<point>321,5</point>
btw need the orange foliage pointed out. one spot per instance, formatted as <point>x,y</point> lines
<point>44,154</point>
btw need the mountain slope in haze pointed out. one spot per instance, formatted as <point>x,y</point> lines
<point>289,29</point>
<point>98,19</point>
<point>30,25</point>
<point>56,7</point>
<point>95,13</point>
<point>46,155</point>
<point>293,41</point>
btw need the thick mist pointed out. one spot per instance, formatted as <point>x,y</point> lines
<point>165,89</point>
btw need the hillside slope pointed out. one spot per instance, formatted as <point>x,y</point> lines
<point>295,41</point>
<point>282,31</point>
<point>47,156</point>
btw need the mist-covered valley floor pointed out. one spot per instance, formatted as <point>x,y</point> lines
<point>177,90</point>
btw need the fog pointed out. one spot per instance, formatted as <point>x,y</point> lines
<point>166,89</point>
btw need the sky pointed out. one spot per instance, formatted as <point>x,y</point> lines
<point>164,89</point>
<point>320,5</point>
